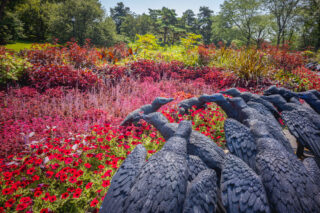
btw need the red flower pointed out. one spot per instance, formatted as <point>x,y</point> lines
<point>126,146</point>
<point>37,193</point>
<point>44,210</point>
<point>55,166</point>
<point>151,151</point>
<point>101,166</point>
<point>46,197</point>
<point>25,200</point>
<point>68,160</point>
<point>114,164</point>
<point>78,190</point>
<point>76,194</point>
<point>21,206</point>
<point>79,182</point>
<point>87,165</point>
<point>65,195</point>
<point>6,191</point>
<point>31,171</point>
<point>107,174</point>
<point>78,173</point>
<point>105,183</point>
<point>94,202</point>
<point>88,186</point>
<point>35,178</point>
<point>52,198</point>
<point>72,179</point>
<point>50,174</point>
<point>70,189</point>
<point>63,177</point>
<point>9,203</point>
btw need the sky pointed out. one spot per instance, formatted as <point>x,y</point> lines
<point>141,6</point>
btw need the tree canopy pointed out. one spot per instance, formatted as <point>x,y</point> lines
<point>242,22</point>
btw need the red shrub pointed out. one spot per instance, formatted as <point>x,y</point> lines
<point>155,71</point>
<point>283,59</point>
<point>310,79</point>
<point>115,53</point>
<point>45,77</point>
<point>71,54</point>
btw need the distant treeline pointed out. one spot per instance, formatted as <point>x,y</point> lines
<point>239,22</point>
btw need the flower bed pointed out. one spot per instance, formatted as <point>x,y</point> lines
<point>73,174</point>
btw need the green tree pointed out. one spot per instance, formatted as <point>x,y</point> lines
<point>132,25</point>
<point>205,23</point>
<point>78,19</point>
<point>242,14</point>
<point>189,21</point>
<point>118,14</point>
<point>262,28</point>
<point>310,20</point>
<point>223,31</point>
<point>283,11</point>
<point>167,22</point>
<point>103,33</point>
<point>8,5</point>
<point>34,15</point>
<point>11,28</point>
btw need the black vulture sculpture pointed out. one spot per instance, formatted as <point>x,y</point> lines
<point>262,110</point>
<point>245,114</point>
<point>135,116</point>
<point>247,96</point>
<point>162,183</point>
<point>123,180</point>
<point>313,168</point>
<point>307,134</point>
<point>186,105</point>
<point>192,174</point>
<point>285,93</point>
<point>283,105</point>
<point>240,141</point>
<point>202,193</point>
<point>195,166</point>
<point>199,145</point>
<point>312,97</point>
<point>295,100</point>
<point>289,186</point>
<point>242,188</point>
<point>302,122</point>
<point>313,91</point>
<point>223,102</point>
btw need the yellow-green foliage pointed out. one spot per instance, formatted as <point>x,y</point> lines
<point>317,56</point>
<point>11,67</point>
<point>190,41</point>
<point>147,47</point>
<point>292,81</point>
<point>308,54</point>
<point>312,56</point>
<point>247,64</point>
<point>223,57</point>
<point>147,42</point>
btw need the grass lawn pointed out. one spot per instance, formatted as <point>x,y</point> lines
<point>20,45</point>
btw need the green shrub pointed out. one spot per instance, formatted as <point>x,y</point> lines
<point>191,41</point>
<point>247,64</point>
<point>147,42</point>
<point>11,67</point>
